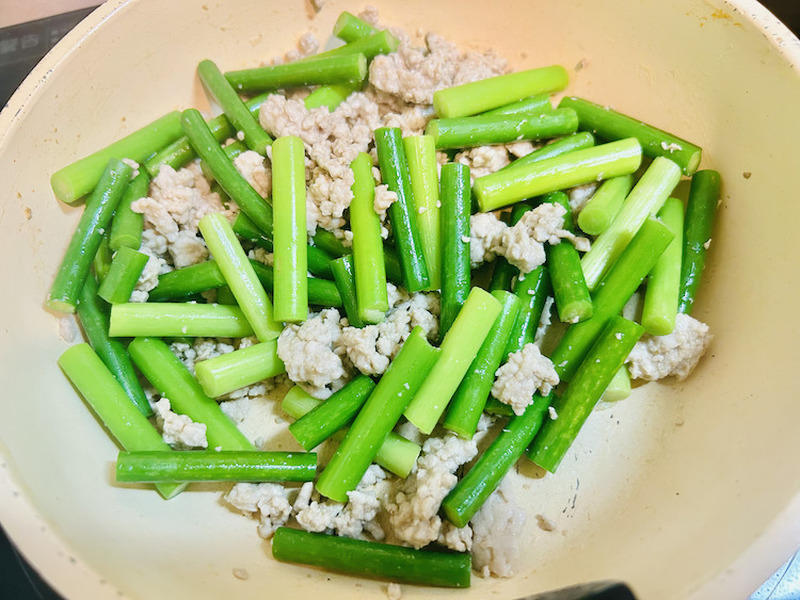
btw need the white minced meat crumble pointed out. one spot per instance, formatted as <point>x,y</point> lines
<point>521,244</point>
<point>524,373</point>
<point>676,354</point>
<point>325,351</point>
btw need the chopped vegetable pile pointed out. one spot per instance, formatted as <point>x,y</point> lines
<point>409,248</point>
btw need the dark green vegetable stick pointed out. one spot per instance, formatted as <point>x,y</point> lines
<point>315,70</point>
<point>614,290</point>
<point>185,466</point>
<point>372,559</point>
<point>88,236</point>
<point>701,210</point>
<point>93,316</point>
<point>472,490</point>
<point>238,114</point>
<point>378,417</point>
<point>396,175</point>
<point>125,270</point>
<point>345,277</point>
<point>574,141</point>
<point>456,275</point>
<point>350,28</point>
<point>332,414</point>
<point>126,225</point>
<point>533,288</point>
<point>481,130</point>
<point>612,125</point>
<point>532,104</point>
<point>591,378</point>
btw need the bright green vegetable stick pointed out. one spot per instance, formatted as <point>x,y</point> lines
<point>505,187</point>
<point>372,559</point>
<point>619,387</point>
<point>345,277</point>
<point>472,490</point>
<point>644,200</point>
<point>289,229</point>
<point>456,275</point>
<point>125,270</point>
<point>535,103</point>
<point>486,94</point>
<point>605,203</point>
<point>234,108</point>
<point>350,28</point>
<point>111,404</point>
<point>378,416</point>
<point>481,130</point>
<point>93,316</point>
<point>664,282</point>
<point>321,422</point>
<point>459,348</point>
<point>243,465</point>
<point>381,42</point>
<point>101,262</point>
<point>568,143</point>
<point>421,154</point>
<point>229,179</point>
<point>126,225</point>
<point>315,70</point>
<point>615,289</point>
<point>179,319</point>
<point>573,301</point>
<point>396,453</point>
<point>74,181</point>
<point>240,276</point>
<point>232,371</point>
<point>172,379</point>
<point>180,152</point>
<point>602,362</point>
<point>701,209</point>
<point>612,125</point>
<point>395,173</point>
<point>469,399</point>
<point>368,261</point>
<point>88,236</point>
<point>329,96</point>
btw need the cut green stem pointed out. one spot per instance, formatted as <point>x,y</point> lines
<point>701,210</point>
<point>612,125</point>
<point>350,28</point>
<point>315,70</point>
<point>592,377</point>
<point>179,319</point>
<point>187,466</point>
<point>458,349</point>
<point>88,236</point>
<point>577,167</point>
<point>494,92</point>
<point>345,277</point>
<point>240,276</point>
<point>368,261</point>
<point>126,225</point>
<point>372,559</point>
<point>664,282</point>
<point>604,205</point>
<point>225,373</point>
<point>378,417</point>
<point>123,420</point>
<point>172,379</point>
<point>455,233</point>
<point>533,288</point>
<point>123,274</point>
<point>644,200</point>
<point>74,181</point>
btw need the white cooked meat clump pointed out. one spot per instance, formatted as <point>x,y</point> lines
<point>312,355</point>
<point>413,509</point>
<point>267,501</point>
<point>495,531</point>
<point>656,357</point>
<point>522,244</point>
<point>525,373</point>
<point>179,431</point>
<point>372,347</point>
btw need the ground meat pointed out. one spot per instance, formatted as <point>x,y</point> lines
<point>486,233</point>
<point>657,357</point>
<point>524,373</point>
<point>483,160</point>
<point>495,532</point>
<point>253,168</point>
<point>268,501</point>
<point>179,431</point>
